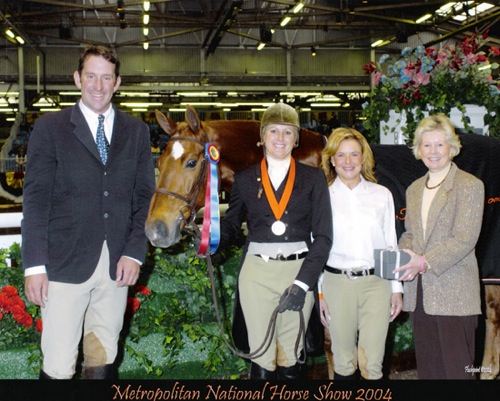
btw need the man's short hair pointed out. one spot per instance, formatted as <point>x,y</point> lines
<point>96,50</point>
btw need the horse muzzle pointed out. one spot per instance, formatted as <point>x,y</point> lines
<point>161,235</point>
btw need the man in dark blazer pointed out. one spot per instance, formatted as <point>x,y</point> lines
<point>89,180</point>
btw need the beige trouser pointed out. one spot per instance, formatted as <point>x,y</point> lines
<point>99,305</point>
<point>363,305</point>
<point>261,285</point>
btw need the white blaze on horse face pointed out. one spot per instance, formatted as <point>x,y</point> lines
<point>177,150</point>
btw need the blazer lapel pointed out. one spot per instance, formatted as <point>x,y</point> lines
<point>82,131</point>
<point>439,201</point>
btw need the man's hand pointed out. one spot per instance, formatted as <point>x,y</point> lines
<point>292,299</point>
<point>127,271</point>
<point>36,288</point>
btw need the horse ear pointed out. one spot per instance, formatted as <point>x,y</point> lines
<point>193,119</point>
<point>166,123</point>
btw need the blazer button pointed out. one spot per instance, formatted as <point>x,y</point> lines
<point>106,215</point>
<point>106,193</point>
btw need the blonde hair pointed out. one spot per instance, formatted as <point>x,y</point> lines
<point>436,122</point>
<point>332,146</point>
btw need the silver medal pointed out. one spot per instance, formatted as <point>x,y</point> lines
<point>278,228</point>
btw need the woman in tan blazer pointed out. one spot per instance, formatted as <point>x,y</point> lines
<point>444,210</point>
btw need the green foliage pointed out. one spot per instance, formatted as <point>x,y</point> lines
<point>401,333</point>
<point>17,323</point>
<point>180,309</point>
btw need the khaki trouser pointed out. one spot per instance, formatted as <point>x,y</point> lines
<point>97,306</point>
<point>363,305</point>
<point>261,285</point>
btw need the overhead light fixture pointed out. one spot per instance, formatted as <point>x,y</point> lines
<point>45,101</point>
<point>20,40</point>
<point>173,110</point>
<point>285,20</point>
<point>70,93</point>
<point>381,42</point>
<point>10,34</point>
<point>10,119</point>
<point>299,6</point>
<point>140,109</point>
<point>133,94</point>
<point>336,104</point>
<point>51,109</point>
<point>197,94</point>
<point>145,19</point>
<point>141,105</point>
<point>145,45</point>
<point>261,45</point>
<point>313,51</point>
<point>423,18</point>
<point>145,31</point>
<point>146,5</point>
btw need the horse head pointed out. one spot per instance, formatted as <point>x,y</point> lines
<point>182,169</point>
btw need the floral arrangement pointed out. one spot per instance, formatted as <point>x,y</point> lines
<point>19,324</point>
<point>433,80</point>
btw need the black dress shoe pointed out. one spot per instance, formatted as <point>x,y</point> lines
<point>257,372</point>
<point>290,373</point>
<point>44,376</point>
<point>336,376</point>
<point>103,372</point>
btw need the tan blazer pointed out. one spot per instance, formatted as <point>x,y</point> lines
<point>452,285</point>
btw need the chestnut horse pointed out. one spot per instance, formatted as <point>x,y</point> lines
<point>182,168</point>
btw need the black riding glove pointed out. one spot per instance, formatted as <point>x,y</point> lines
<point>292,299</point>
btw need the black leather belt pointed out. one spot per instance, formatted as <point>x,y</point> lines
<point>349,272</point>
<point>293,256</point>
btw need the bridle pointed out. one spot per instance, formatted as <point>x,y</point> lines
<point>190,198</point>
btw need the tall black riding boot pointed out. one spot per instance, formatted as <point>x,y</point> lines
<point>336,376</point>
<point>103,372</point>
<point>290,373</point>
<point>257,372</point>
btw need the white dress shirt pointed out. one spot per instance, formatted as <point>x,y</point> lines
<point>363,220</point>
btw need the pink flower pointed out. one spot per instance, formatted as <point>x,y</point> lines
<point>422,79</point>
<point>376,76</point>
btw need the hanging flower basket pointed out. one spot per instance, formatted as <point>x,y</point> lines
<point>424,80</point>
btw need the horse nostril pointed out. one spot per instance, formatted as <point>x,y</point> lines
<point>161,229</point>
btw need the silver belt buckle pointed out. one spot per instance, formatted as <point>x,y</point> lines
<point>348,273</point>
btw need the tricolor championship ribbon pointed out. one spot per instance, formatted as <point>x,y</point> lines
<point>210,232</point>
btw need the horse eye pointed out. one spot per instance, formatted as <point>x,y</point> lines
<point>191,163</point>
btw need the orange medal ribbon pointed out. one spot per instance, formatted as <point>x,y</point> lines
<point>278,208</point>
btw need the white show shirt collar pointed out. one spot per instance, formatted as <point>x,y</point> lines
<point>277,170</point>
<point>92,120</point>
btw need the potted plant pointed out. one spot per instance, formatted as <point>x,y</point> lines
<point>423,80</point>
